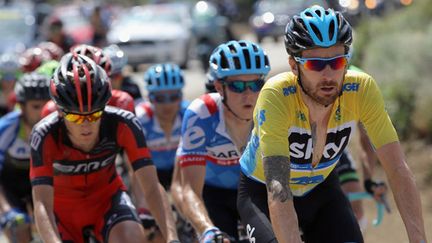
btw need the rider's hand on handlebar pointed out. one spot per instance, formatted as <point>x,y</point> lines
<point>214,235</point>
<point>12,218</point>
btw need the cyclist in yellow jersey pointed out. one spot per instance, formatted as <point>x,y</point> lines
<point>303,120</point>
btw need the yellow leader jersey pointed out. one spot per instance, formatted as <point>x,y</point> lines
<point>282,128</point>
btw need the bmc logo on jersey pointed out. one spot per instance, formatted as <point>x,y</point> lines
<point>351,87</point>
<point>82,167</point>
<point>301,143</point>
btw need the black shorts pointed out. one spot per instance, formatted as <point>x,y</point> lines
<point>221,207</point>
<point>16,186</point>
<point>346,168</point>
<point>165,178</point>
<point>324,214</point>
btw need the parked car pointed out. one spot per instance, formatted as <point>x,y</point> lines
<point>271,16</point>
<point>17,28</point>
<point>154,33</point>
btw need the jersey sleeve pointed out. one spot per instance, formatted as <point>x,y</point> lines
<point>271,123</point>
<point>192,148</point>
<point>131,137</point>
<point>41,158</point>
<point>374,116</point>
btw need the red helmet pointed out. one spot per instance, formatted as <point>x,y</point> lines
<point>52,49</point>
<point>79,85</point>
<point>32,58</point>
<point>96,54</point>
<point>48,108</point>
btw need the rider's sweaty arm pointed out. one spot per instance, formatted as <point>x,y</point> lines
<point>193,204</point>
<point>43,201</point>
<point>404,189</point>
<point>157,200</point>
<point>280,199</point>
<point>176,189</point>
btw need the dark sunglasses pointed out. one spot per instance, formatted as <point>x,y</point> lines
<point>164,98</point>
<point>318,64</point>
<point>238,86</point>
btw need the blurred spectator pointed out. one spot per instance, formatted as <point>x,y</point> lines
<point>119,80</point>
<point>57,35</point>
<point>9,73</point>
<point>100,27</point>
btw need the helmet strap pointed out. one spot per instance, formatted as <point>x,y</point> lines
<point>225,102</point>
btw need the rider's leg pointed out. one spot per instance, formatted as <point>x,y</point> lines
<point>127,231</point>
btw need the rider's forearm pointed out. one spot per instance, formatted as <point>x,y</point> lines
<point>280,199</point>
<point>160,207</point>
<point>282,215</point>
<point>45,223</point>
<point>177,190</point>
<point>194,209</point>
<point>408,202</point>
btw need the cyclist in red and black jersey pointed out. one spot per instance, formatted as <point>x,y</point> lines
<point>76,189</point>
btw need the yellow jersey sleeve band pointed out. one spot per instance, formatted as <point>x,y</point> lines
<point>282,128</point>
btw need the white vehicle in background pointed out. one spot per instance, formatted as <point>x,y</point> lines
<point>154,33</point>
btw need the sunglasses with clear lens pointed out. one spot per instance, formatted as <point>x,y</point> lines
<point>165,98</point>
<point>241,86</point>
<point>318,64</point>
<point>80,118</point>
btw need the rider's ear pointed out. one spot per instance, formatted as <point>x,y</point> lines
<point>293,65</point>
<point>218,87</point>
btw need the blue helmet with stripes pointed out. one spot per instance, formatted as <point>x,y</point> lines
<point>238,58</point>
<point>165,76</point>
<point>317,27</point>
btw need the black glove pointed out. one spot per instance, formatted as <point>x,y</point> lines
<point>369,185</point>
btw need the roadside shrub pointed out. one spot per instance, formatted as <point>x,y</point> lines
<point>396,51</point>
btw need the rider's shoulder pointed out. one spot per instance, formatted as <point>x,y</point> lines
<point>281,80</point>
<point>10,118</point>
<point>48,125</point>
<point>358,76</point>
<point>205,106</point>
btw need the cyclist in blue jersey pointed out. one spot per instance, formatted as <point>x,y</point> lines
<point>15,190</point>
<point>161,118</point>
<point>303,121</point>
<point>214,133</point>
<point>10,71</point>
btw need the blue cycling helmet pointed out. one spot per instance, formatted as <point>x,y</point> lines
<point>317,27</point>
<point>238,58</point>
<point>117,56</point>
<point>165,76</point>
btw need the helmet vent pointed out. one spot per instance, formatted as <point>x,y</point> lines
<point>332,28</point>
<point>247,60</point>
<point>317,32</point>
<point>257,61</point>
<point>237,63</point>
<point>224,62</point>
<point>165,77</point>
